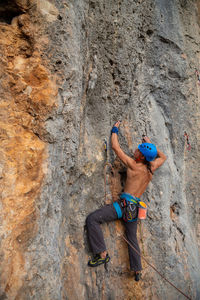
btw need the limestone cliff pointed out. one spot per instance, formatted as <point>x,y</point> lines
<point>68,70</point>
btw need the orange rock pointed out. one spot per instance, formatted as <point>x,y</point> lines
<point>26,86</point>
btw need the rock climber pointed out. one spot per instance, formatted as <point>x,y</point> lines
<point>140,169</point>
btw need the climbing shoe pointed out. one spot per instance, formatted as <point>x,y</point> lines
<point>97,261</point>
<point>138,276</point>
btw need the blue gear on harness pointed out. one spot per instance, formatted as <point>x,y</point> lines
<point>129,207</point>
<point>129,204</point>
<point>118,210</point>
<point>148,150</point>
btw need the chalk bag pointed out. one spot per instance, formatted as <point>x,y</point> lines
<point>142,210</point>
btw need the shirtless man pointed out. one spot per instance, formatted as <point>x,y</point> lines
<point>140,169</point>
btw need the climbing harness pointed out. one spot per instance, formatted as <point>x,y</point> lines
<point>130,211</point>
<point>130,207</point>
<point>124,238</point>
<point>133,208</point>
<point>187,140</point>
<point>198,76</point>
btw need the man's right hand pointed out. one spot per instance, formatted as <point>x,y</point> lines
<point>146,140</point>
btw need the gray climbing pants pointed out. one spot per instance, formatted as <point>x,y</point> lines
<point>96,239</point>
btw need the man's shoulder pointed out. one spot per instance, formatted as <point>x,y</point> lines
<point>136,166</point>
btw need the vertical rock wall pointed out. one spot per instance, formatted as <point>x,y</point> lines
<point>28,98</point>
<point>69,69</point>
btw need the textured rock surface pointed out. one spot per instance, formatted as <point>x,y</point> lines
<point>69,69</point>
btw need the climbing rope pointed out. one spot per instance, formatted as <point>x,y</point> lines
<point>107,164</point>
<point>141,235</point>
<point>154,268</point>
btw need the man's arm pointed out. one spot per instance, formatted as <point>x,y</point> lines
<point>127,160</point>
<point>159,160</point>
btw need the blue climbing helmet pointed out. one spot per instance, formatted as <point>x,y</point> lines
<point>148,150</point>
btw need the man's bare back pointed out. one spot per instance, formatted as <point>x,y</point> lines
<point>137,180</point>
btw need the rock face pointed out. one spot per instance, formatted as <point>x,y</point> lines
<point>68,70</point>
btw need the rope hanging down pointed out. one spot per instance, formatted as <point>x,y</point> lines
<point>155,268</point>
<point>107,164</point>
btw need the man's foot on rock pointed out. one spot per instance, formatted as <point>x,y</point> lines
<point>98,260</point>
<point>138,276</point>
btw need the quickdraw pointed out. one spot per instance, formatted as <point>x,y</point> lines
<point>198,76</point>
<point>106,148</point>
<point>130,210</point>
<point>187,140</point>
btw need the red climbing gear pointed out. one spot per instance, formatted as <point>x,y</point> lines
<point>187,140</point>
<point>198,76</point>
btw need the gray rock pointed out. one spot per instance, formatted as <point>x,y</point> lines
<point>134,61</point>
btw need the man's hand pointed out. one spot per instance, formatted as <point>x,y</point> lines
<point>146,140</point>
<point>117,124</point>
<point>128,161</point>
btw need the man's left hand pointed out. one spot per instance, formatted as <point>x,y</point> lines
<point>117,124</point>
